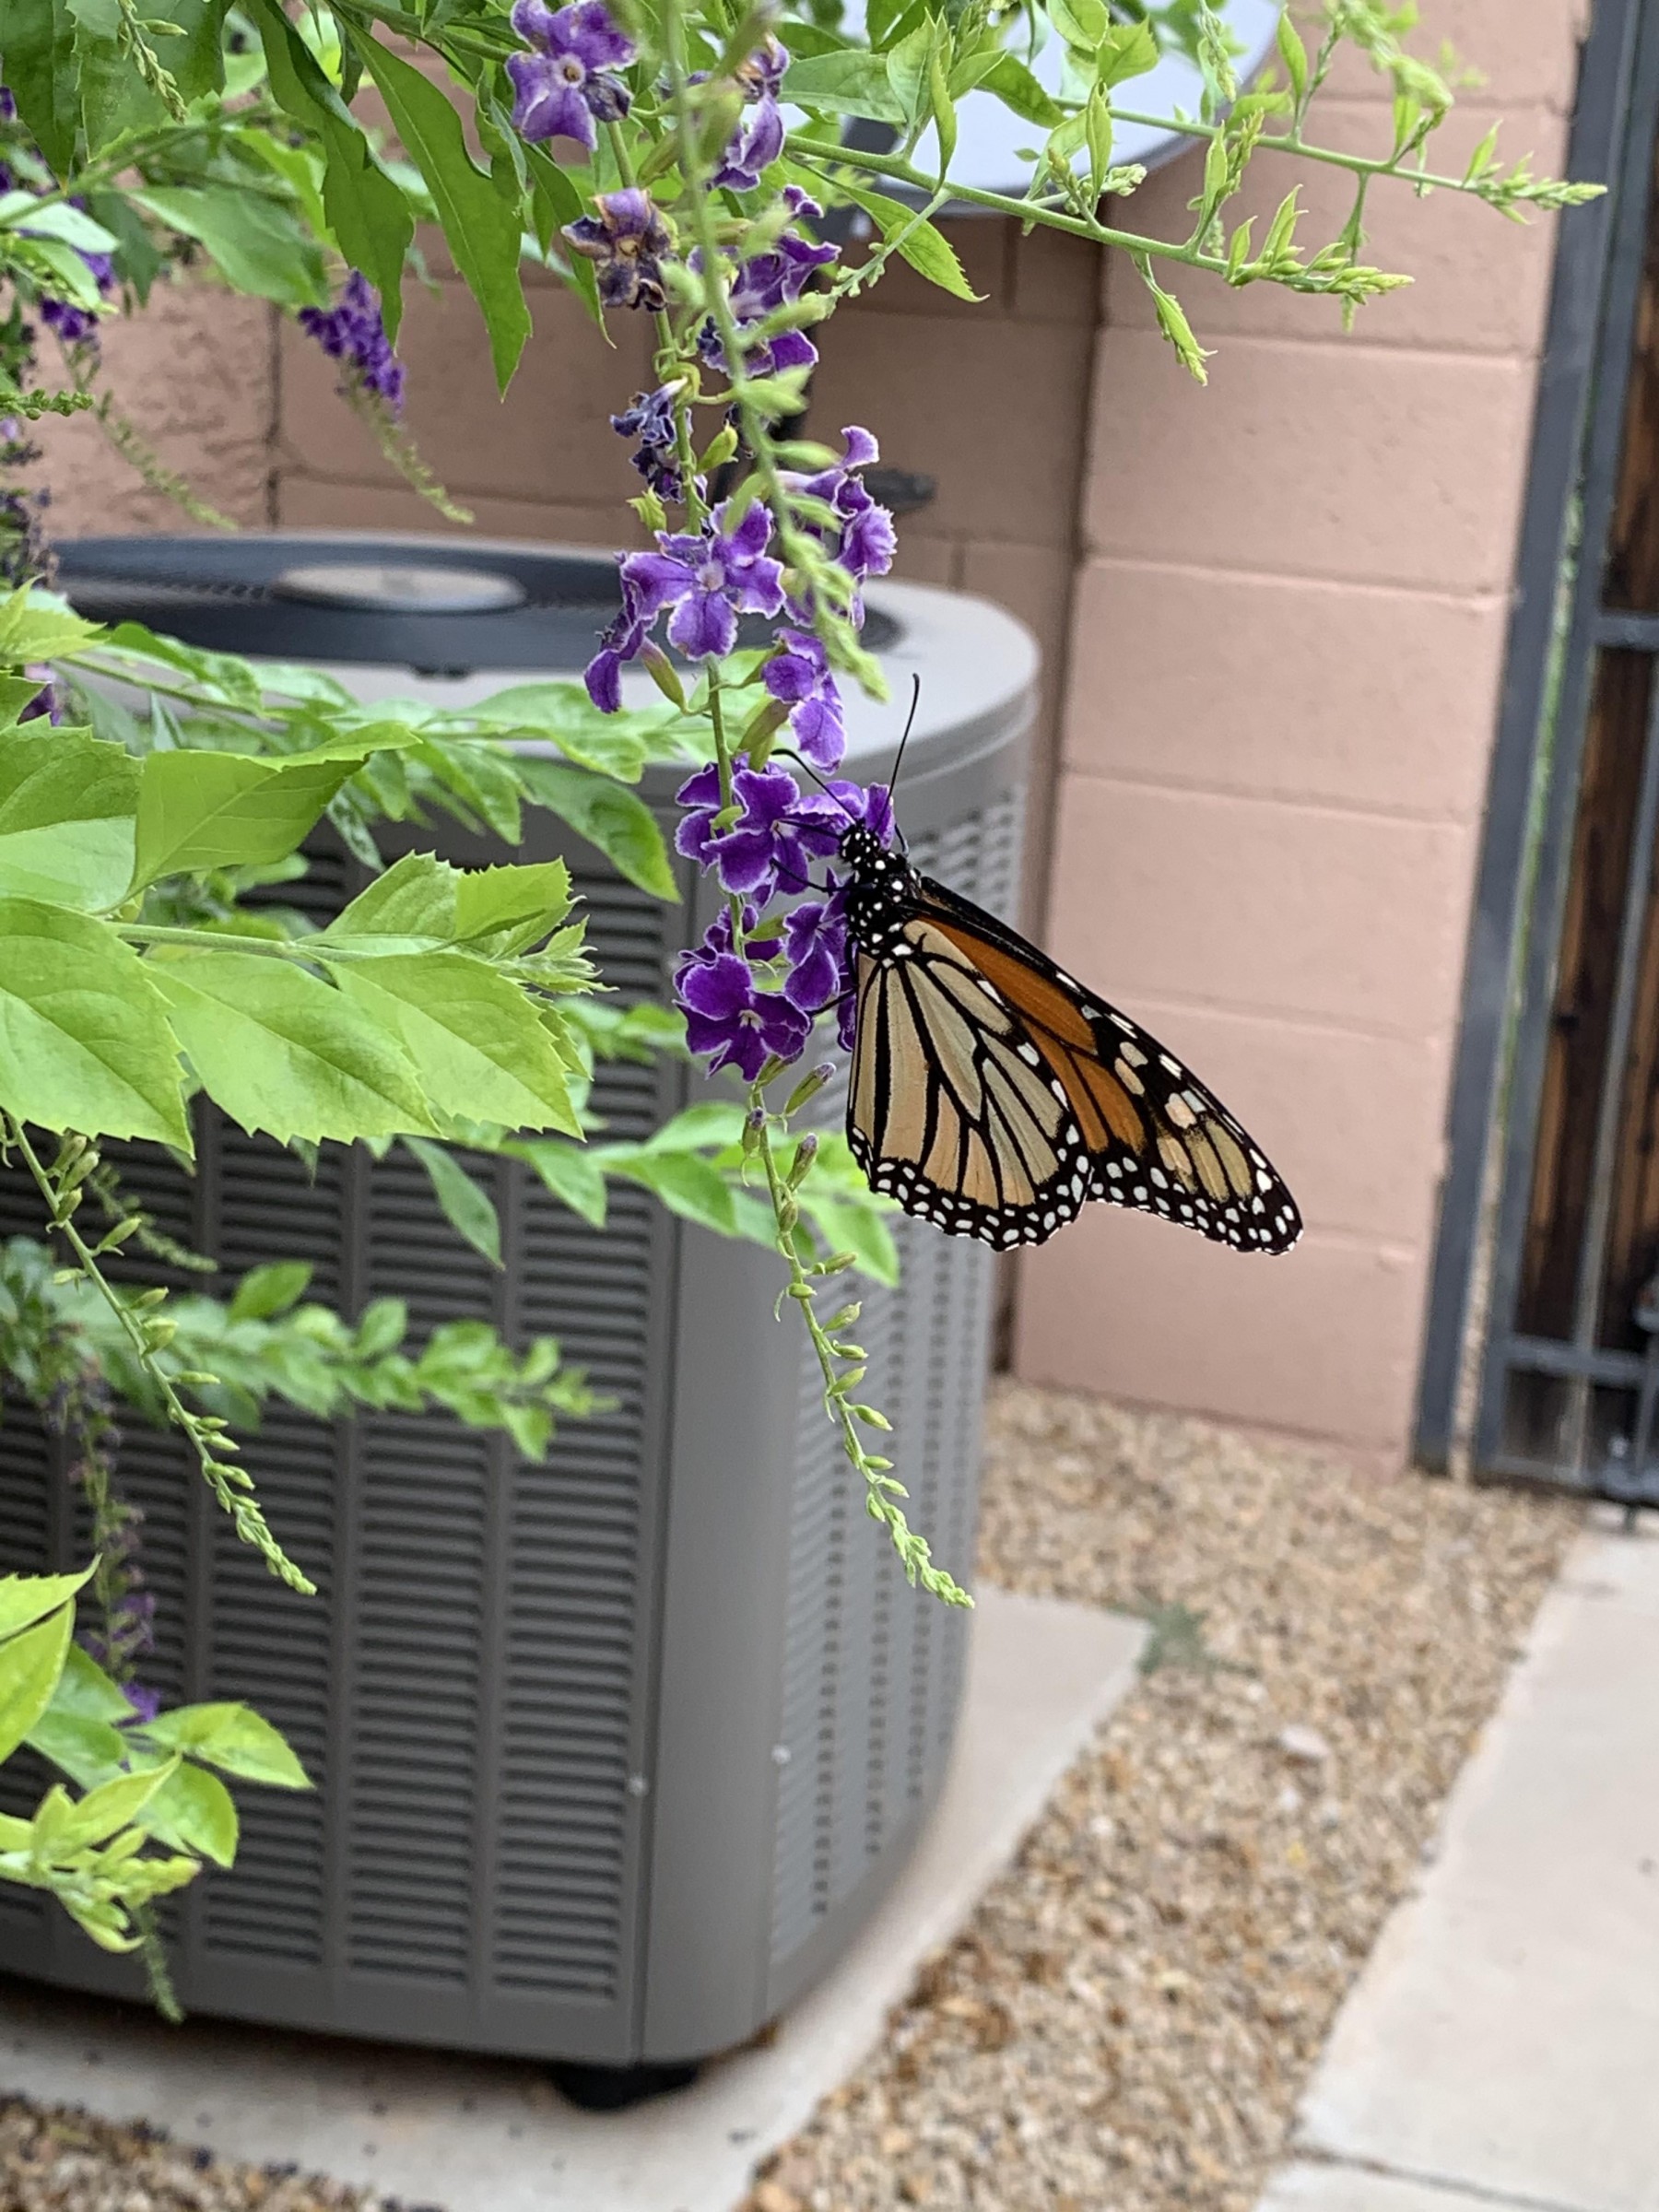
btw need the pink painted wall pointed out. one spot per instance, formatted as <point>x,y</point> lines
<point>1285,655</point>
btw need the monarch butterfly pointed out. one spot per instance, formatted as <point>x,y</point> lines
<point>994,1096</point>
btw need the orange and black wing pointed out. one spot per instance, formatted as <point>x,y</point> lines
<point>994,1096</point>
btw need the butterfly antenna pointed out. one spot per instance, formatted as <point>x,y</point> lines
<point>910,724</point>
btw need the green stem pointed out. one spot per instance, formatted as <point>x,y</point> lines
<point>882,1493</point>
<point>206,1433</point>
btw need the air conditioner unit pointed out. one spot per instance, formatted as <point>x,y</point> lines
<point>614,1753</point>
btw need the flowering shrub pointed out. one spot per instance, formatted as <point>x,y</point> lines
<point>678,160</point>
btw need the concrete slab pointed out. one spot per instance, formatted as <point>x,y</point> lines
<point>493,2137</point>
<point>1504,2036</point>
<point>1312,2188</point>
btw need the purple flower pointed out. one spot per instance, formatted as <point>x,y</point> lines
<point>626,241</point>
<point>728,1017</point>
<point>48,702</point>
<point>708,580</point>
<point>567,83</point>
<point>815,945</point>
<point>74,325</point>
<point>771,280</point>
<point>352,333</point>
<point>780,274</point>
<point>618,643</point>
<point>871,803</point>
<point>866,541</point>
<point>799,675</point>
<point>651,421</point>
<point>146,1703</point>
<point>779,831</point>
<point>758,141</point>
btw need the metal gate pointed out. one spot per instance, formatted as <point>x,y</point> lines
<point>1559,1059</point>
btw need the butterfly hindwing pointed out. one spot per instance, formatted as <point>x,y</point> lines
<point>994,1096</point>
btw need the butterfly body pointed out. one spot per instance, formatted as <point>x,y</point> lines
<point>993,1095</point>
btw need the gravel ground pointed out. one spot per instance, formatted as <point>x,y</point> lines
<point>66,2163</point>
<point>1128,2020</point>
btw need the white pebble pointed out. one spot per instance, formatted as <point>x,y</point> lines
<point>1304,1745</point>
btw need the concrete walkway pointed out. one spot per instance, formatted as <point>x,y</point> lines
<point>1502,2047</point>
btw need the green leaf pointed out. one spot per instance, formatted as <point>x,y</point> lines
<point>468,1208</point>
<point>619,823</point>
<point>25,1598</point>
<point>282,1051</point>
<point>370,216</point>
<point>686,1183</point>
<point>203,810</point>
<point>30,1667</point>
<point>67,809</point>
<point>37,39</point>
<point>571,1173</point>
<point>254,243</point>
<point>564,204</point>
<point>86,1692</point>
<point>271,1289</point>
<point>1172,321</point>
<point>16,693</point>
<point>89,1751</point>
<point>1081,23</point>
<point>1015,87</point>
<point>943,107</point>
<point>193,1811</point>
<point>1127,50</point>
<point>84,1038</point>
<point>616,745</point>
<point>482,232</point>
<point>1294,55</point>
<point>908,66</point>
<point>475,1037</point>
<point>36,624</point>
<point>116,1803</point>
<point>852,1225</point>
<point>233,1737</point>
<point>22,212</point>
<point>927,250</point>
<point>853,83</point>
<point>421,901</point>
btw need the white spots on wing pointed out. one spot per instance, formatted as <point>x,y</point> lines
<point>1133,1054</point>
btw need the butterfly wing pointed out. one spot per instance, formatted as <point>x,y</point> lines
<point>994,1095</point>
<point>950,1108</point>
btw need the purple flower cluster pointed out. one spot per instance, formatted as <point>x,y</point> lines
<point>708,580</point>
<point>352,333</point>
<point>651,421</point>
<point>767,281</point>
<point>743,1007</point>
<point>626,241</point>
<point>568,82</point>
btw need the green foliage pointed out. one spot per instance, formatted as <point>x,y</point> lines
<point>143,1784</point>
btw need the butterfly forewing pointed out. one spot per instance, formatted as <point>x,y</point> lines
<point>993,1095</point>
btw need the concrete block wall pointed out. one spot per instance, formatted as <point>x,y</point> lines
<point>1285,655</point>
<point>195,376</point>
